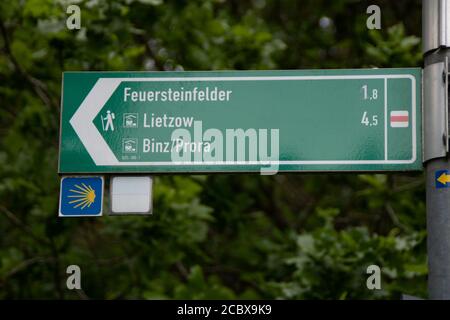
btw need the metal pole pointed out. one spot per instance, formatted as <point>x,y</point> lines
<point>436,50</point>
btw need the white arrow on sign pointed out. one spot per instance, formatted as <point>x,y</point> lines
<point>82,121</point>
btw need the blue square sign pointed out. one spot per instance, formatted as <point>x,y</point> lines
<point>442,179</point>
<point>81,197</point>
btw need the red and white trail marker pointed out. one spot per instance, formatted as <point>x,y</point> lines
<point>399,119</point>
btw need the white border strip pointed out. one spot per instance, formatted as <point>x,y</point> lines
<point>82,121</point>
<point>385,121</point>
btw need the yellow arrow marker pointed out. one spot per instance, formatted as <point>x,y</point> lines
<point>444,178</point>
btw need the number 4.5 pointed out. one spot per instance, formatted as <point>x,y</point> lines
<point>365,120</point>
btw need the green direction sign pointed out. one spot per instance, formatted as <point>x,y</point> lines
<point>241,121</point>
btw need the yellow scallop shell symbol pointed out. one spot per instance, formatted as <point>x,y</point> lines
<point>83,196</point>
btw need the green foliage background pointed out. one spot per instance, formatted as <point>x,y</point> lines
<point>290,236</point>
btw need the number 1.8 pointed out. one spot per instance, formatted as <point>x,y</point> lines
<point>374,95</point>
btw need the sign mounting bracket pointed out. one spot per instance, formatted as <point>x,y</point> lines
<point>446,102</point>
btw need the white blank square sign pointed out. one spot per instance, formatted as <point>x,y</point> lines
<point>131,195</point>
